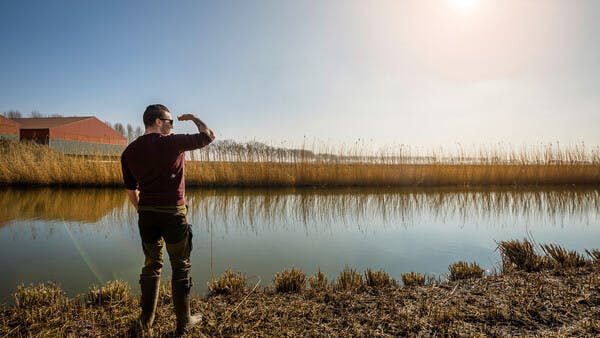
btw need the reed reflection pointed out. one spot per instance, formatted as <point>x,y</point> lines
<point>51,204</point>
<point>313,210</point>
<point>361,209</point>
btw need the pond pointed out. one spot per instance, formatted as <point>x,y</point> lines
<point>78,237</point>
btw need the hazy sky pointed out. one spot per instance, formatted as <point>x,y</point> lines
<point>422,73</point>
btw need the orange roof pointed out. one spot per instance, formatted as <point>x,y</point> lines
<point>47,122</point>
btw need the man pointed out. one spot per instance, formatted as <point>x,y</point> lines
<point>153,173</point>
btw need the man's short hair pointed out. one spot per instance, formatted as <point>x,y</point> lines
<point>153,112</point>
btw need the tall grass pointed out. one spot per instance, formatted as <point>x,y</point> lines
<point>253,165</point>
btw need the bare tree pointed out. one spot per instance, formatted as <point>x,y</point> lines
<point>119,128</point>
<point>12,114</point>
<point>129,132</point>
<point>138,132</point>
<point>35,114</point>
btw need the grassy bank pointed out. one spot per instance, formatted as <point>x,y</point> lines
<point>30,164</point>
<point>539,291</point>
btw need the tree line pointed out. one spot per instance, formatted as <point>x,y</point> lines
<point>129,131</point>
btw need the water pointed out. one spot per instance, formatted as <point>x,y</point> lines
<point>78,237</point>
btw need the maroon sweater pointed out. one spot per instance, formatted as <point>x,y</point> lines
<point>154,165</point>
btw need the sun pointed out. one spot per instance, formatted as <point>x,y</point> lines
<point>464,6</point>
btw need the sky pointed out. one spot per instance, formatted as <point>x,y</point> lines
<point>424,73</point>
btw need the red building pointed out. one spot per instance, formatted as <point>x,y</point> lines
<point>9,129</point>
<point>72,135</point>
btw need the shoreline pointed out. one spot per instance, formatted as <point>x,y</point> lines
<point>549,302</point>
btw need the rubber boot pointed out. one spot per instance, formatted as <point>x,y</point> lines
<point>149,286</point>
<point>181,304</point>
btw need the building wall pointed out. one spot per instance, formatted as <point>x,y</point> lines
<point>89,130</point>
<point>8,128</point>
<point>86,148</point>
<point>9,136</point>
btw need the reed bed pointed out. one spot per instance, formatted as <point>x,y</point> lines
<point>228,164</point>
<point>413,279</point>
<point>516,303</point>
<point>463,270</point>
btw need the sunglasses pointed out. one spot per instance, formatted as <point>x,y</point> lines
<point>170,121</point>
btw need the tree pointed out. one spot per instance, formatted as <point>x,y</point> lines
<point>36,114</point>
<point>119,128</point>
<point>129,132</point>
<point>12,114</point>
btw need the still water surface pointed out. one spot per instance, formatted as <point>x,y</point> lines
<point>78,237</point>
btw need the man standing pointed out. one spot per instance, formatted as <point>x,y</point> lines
<point>153,173</point>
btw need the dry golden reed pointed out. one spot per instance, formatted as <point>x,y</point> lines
<point>252,166</point>
<point>413,279</point>
<point>378,279</point>
<point>563,258</point>
<point>464,270</point>
<point>520,255</point>
<point>292,281</point>
<point>594,254</point>
<point>228,283</point>
<point>349,279</point>
<point>319,281</point>
<point>111,293</point>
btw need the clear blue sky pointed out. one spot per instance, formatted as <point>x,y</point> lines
<point>423,73</point>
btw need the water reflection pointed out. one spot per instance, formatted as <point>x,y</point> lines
<point>83,236</point>
<point>323,210</point>
<point>79,205</point>
<point>315,210</point>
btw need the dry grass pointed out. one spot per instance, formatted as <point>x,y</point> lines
<point>378,279</point>
<point>318,282</point>
<point>520,255</point>
<point>112,293</point>
<point>413,279</point>
<point>229,283</point>
<point>522,304</point>
<point>349,279</point>
<point>464,270</point>
<point>221,166</point>
<point>594,254</point>
<point>563,258</point>
<point>292,281</point>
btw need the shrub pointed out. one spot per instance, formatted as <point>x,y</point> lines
<point>318,281</point>
<point>413,279</point>
<point>520,255</point>
<point>349,279</point>
<point>228,284</point>
<point>378,279</point>
<point>562,258</point>
<point>112,292</point>
<point>39,296</point>
<point>463,270</point>
<point>290,281</point>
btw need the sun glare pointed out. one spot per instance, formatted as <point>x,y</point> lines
<point>464,5</point>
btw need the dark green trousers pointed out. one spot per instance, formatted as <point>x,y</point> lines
<point>158,226</point>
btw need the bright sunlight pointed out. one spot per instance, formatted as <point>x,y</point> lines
<point>464,6</point>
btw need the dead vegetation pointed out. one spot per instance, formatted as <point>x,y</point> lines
<point>253,166</point>
<point>552,295</point>
<point>413,279</point>
<point>519,303</point>
<point>229,283</point>
<point>464,270</point>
